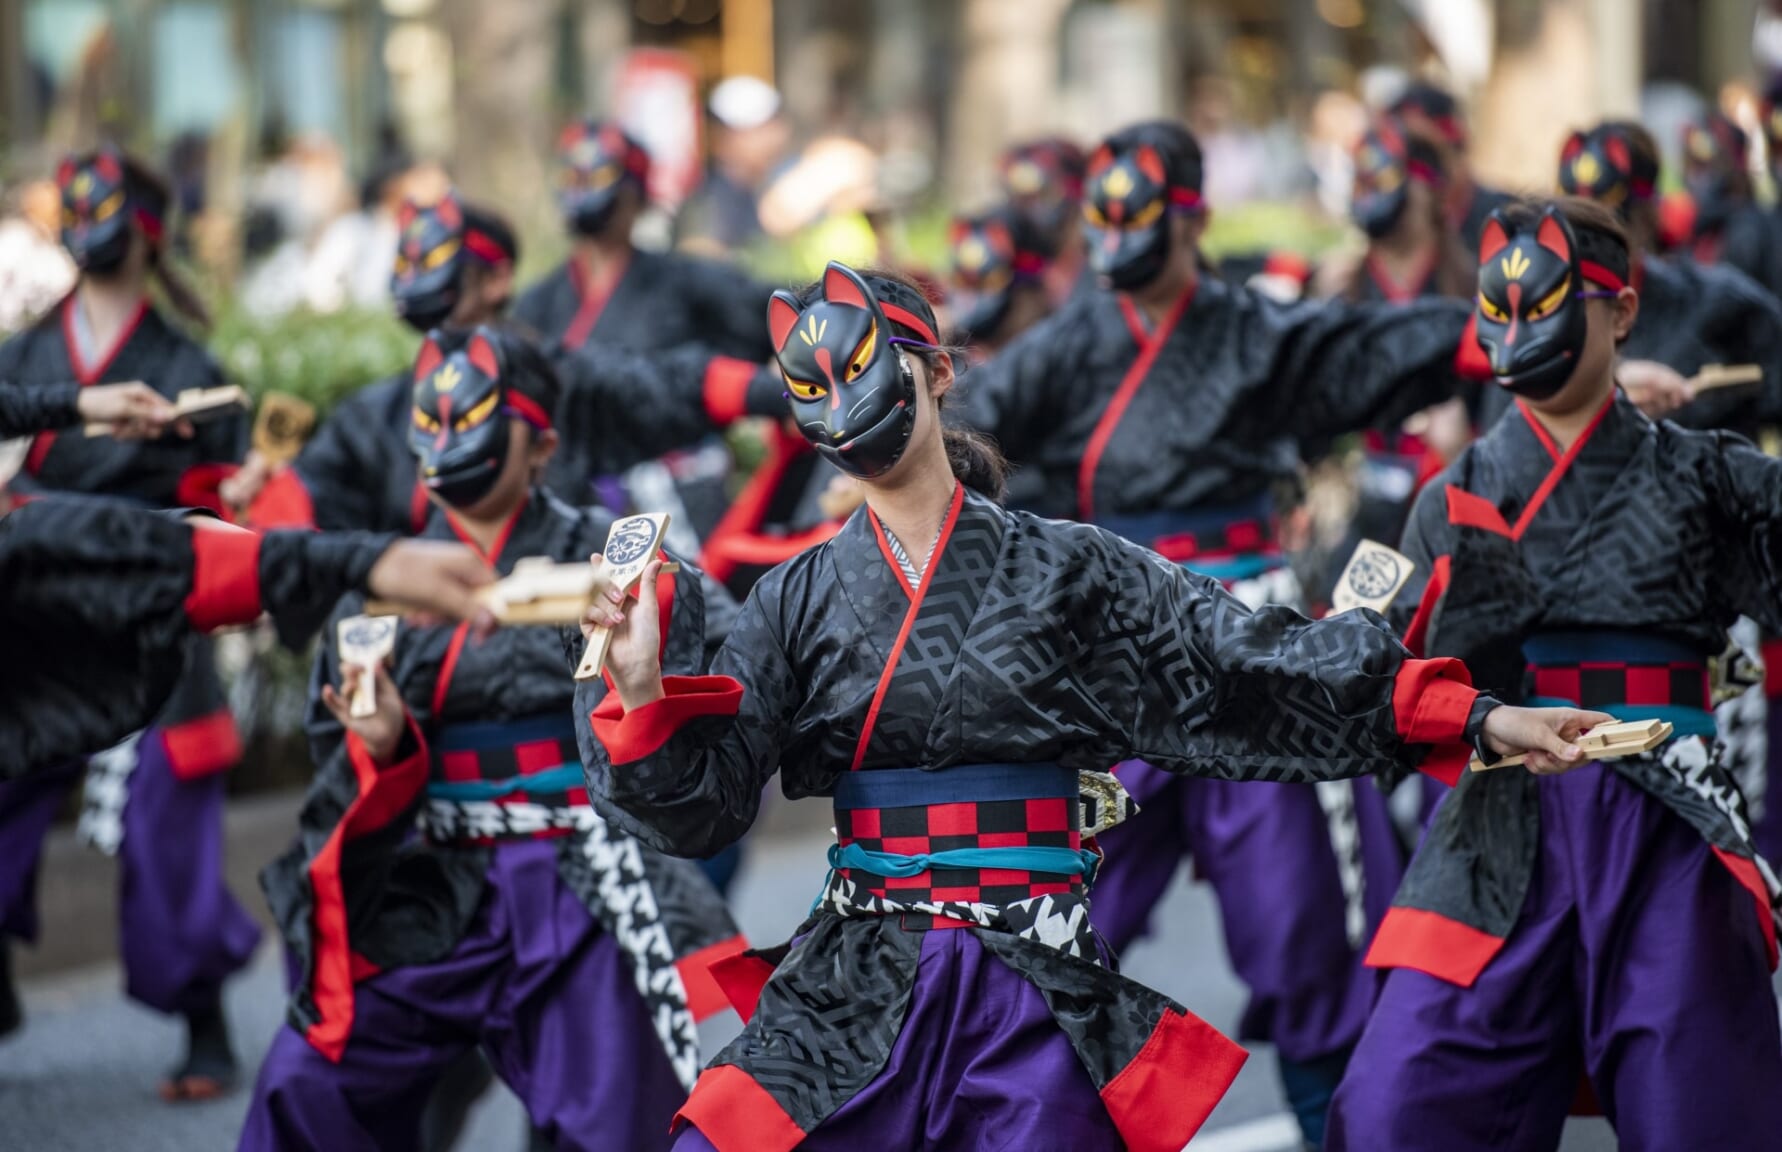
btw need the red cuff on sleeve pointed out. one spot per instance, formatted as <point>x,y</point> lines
<point>385,790</point>
<point>727,388</point>
<point>283,503</point>
<point>630,736</point>
<point>383,793</point>
<point>198,487</point>
<point>1431,700</point>
<point>225,578</point>
<point>1469,359</point>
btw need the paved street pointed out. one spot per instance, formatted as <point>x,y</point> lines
<point>81,1077</point>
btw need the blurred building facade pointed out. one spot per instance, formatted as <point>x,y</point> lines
<point>936,87</point>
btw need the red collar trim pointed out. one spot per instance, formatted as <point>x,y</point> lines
<point>82,372</point>
<point>909,617</point>
<point>493,556</point>
<point>1149,348</point>
<point>1397,291</point>
<point>1562,464</point>
<point>594,299</point>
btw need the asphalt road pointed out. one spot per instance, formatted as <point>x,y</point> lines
<point>82,1075</point>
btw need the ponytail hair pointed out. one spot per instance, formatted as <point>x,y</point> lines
<point>976,461</point>
<point>148,184</point>
<point>974,457</point>
<point>179,292</point>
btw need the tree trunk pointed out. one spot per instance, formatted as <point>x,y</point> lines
<point>503,113</point>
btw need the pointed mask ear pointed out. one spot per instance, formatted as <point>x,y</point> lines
<point>843,285</point>
<point>108,165</point>
<point>1390,140</point>
<point>1493,239</point>
<point>1099,161</point>
<point>429,358</point>
<point>1554,236</point>
<point>406,214</point>
<point>1150,163</point>
<point>482,354</point>
<point>1619,154</point>
<point>1572,147</point>
<point>782,317</point>
<point>450,212</point>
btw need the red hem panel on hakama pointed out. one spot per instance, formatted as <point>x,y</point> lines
<point>1433,944</point>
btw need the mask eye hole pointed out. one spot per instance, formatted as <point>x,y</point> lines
<point>109,207</point>
<point>1550,303</point>
<point>439,255</point>
<point>1146,216</point>
<point>425,422</point>
<point>804,391</point>
<point>862,354</point>
<point>1093,214</point>
<point>1492,312</point>
<point>478,413</point>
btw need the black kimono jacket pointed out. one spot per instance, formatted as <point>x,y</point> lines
<point>361,892</point>
<point>167,473</point>
<point>662,300</point>
<point>1211,409</point>
<point>1027,642</point>
<point>97,600</point>
<point>1693,315</point>
<point>27,409</point>
<point>1640,528</point>
<point>1751,242</point>
<point>618,408</point>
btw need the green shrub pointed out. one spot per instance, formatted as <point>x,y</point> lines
<point>321,358</point>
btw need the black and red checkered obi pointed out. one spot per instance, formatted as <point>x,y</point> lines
<point>1226,542</point>
<point>1631,676</point>
<point>989,834</point>
<point>506,780</point>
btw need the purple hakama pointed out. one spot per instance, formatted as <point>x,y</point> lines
<point>1636,961</point>
<point>1266,850</point>
<point>535,982</point>
<point>980,1062</point>
<point>181,932</point>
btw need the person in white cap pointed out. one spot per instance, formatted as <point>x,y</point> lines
<point>749,138</point>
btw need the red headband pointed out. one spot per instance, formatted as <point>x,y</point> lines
<point>1420,170</point>
<point>150,225</point>
<point>1029,264</point>
<point>1185,198</point>
<point>909,320</point>
<point>1601,275</point>
<point>485,247</point>
<point>528,409</point>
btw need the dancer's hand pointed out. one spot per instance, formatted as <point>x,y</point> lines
<point>633,658</point>
<point>239,488</point>
<point>380,732</point>
<point>1546,734</point>
<point>133,410</point>
<point>436,577</point>
<point>1656,389</point>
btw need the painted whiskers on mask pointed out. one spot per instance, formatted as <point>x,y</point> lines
<point>851,387</point>
<point>596,159</point>
<point>100,204</point>
<point>1532,323</point>
<point>459,427</point>
<point>1126,214</point>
